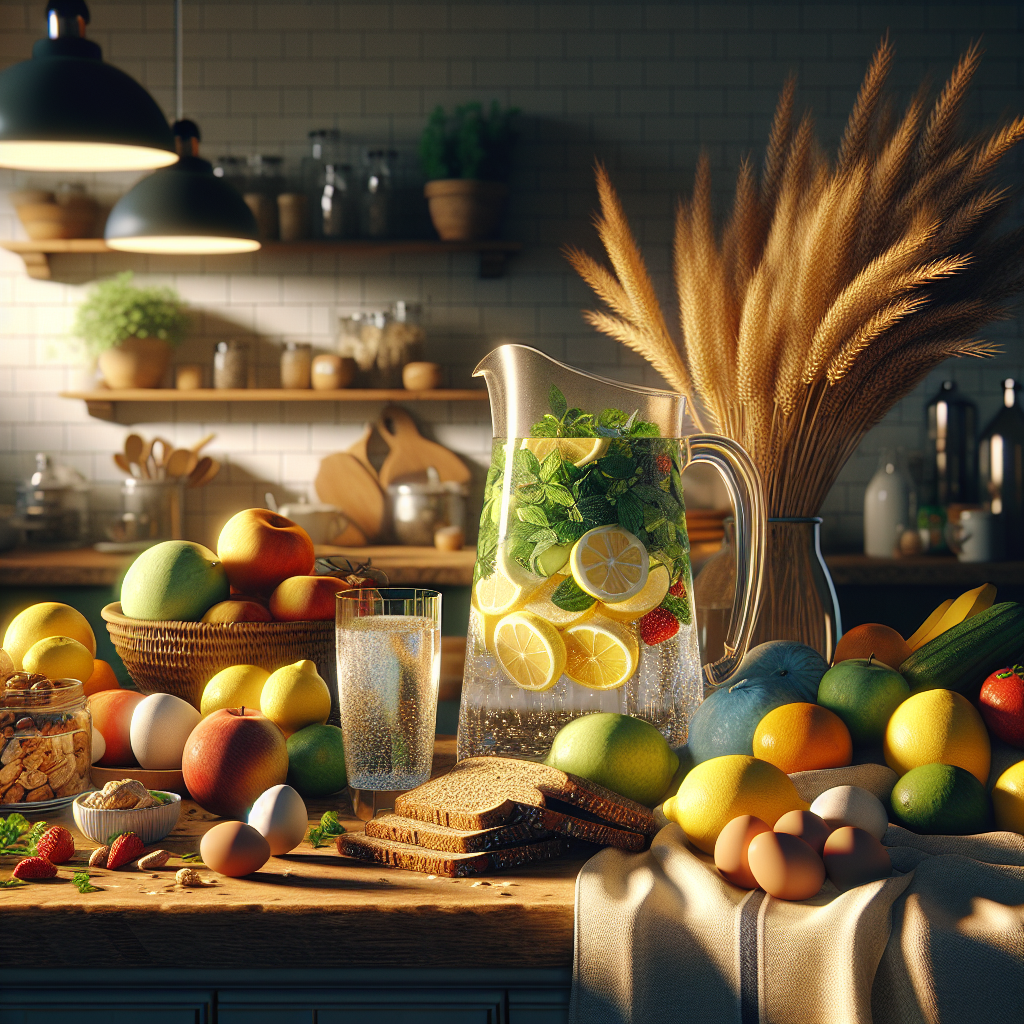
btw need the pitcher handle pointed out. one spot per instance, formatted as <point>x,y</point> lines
<point>746,492</point>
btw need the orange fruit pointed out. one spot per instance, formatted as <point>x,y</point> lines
<point>102,678</point>
<point>802,738</point>
<point>873,639</point>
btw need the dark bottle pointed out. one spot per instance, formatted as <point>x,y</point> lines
<point>1001,461</point>
<point>951,465</point>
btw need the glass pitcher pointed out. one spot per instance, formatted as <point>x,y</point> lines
<point>582,593</point>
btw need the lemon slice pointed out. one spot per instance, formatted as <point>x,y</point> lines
<point>638,605</point>
<point>580,451</point>
<point>498,594</point>
<point>530,650</point>
<point>610,563</point>
<point>600,654</point>
<point>540,603</point>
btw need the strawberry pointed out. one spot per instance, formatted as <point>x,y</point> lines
<point>32,868</point>
<point>678,589</point>
<point>657,626</point>
<point>664,463</point>
<point>56,845</point>
<point>124,849</point>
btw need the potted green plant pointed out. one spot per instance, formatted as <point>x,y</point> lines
<point>466,159</point>
<point>130,331</point>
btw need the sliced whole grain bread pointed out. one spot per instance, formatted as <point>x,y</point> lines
<point>437,862</point>
<point>452,840</point>
<point>483,792</point>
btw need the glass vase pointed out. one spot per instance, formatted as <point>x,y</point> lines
<point>798,600</point>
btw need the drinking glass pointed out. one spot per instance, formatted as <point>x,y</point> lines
<point>389,665</point>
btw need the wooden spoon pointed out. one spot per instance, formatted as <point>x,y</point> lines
<point>204,472</point>
<point>178,462</point>
<point>196,449</point>
<point>122,463</point>
<point>133,445</point>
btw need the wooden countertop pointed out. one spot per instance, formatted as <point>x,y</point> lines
<point>311,908</point>
<point>84,567</point>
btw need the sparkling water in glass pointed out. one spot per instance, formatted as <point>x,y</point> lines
<point>389,666</point>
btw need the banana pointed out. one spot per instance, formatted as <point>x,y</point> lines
<point>950,614</point>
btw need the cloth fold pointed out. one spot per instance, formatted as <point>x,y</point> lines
<point>661,936</point>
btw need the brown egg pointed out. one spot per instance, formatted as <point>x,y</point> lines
<point>854,857</point>
<point>785,866</point>
<point>731,849</point>
<point>806,826</point>
<point>234,848</point>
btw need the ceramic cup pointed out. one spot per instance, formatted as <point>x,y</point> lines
<point>972,537</point>
<point>322,522</point>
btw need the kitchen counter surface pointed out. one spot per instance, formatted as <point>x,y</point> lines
<point>307,909</point>
<point>85,567</point>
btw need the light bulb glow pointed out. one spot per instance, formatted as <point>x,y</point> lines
<point>197,245</point>
<point>35,155</point>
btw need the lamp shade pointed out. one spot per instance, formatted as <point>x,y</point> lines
<point>66,110</point>
<point>182,209</point>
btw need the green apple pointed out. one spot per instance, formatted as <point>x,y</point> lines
<point>863,693</point>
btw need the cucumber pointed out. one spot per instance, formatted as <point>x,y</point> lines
<point>965,655</point>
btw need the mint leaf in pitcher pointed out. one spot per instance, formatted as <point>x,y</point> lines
<point>570,597</point>
<point>557,402</point>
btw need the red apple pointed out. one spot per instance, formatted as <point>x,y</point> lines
<point>259,548</point>
<point>112,719</point>
<point>231,757</point>
<point>301,598</point>
<point>1002,704</point>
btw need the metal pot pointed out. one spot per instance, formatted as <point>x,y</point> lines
<point>419,509</point>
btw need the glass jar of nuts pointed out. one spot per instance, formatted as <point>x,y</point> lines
<point>45,740</point>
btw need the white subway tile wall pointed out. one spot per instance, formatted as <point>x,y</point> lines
<point>641,86</point>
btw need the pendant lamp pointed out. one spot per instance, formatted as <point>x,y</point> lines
<point>182,209</point>
<point>66,110</point>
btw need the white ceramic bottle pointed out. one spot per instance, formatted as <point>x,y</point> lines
<point>886,507</point>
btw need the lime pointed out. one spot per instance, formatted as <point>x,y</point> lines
<point>716,791</point>
<point>863,693</point>
<point>551,561</point>
<point>626,755</point>
<point>941,799</point>
<point>316,760</point>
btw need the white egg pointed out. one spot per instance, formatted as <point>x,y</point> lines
<point>852,805</point>
<point>161,723</point>
<point>99,745</point>
<point>280,816</point>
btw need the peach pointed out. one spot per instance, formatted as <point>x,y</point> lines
<point>305,597</point>
<point>112,718</point>
<point>259,549</point>
<point>238,611</point>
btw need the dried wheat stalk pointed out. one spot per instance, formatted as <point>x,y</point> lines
<point>833,288</point>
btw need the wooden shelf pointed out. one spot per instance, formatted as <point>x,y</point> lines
<point>493,254</point>
<point>102,403</point>
<point>920,571</point>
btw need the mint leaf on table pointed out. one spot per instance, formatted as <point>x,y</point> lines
<point>192,858</point>
<point>18,838</point>
<point>570,597</point>
<point>329,828</point>
<point>12,883</point>
<point>81,882</point>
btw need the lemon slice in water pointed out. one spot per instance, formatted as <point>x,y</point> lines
<point>638,605</point>
<point>610,563</point>
<point>580,451</point>
<point>600,654</point>
<point>530,650</point>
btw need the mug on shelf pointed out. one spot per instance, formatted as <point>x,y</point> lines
<point>971,536</point>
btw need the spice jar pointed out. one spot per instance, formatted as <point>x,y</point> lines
<point>331,372</point>
<point>46,730</point>
<point>296,364</point>
<point>231,364</point>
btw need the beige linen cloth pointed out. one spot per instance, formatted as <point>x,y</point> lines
<point>662,937</point>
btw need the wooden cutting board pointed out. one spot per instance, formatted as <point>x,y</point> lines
<point>412,454</point>
<point>348,481</point>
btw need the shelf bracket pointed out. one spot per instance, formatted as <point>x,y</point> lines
<point>493,263</point>
<point>37,265</point>
<point>100,410</point>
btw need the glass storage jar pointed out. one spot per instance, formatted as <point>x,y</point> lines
<point>231,364</point>
<point>378,201</point>
<point>296,361</point>
<point>46,730</point>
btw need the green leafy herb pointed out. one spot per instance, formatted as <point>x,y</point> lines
<point>12,883</point>
<point>192,858</point>
<point>679,607</point>
<point>570,597</point>
<point>81,882</point>
<point>160,798</point>
<point>557,402</point>
<point>18,837</point>
<point>330,828</point>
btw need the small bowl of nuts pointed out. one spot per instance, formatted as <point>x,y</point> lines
<point>125,805</point>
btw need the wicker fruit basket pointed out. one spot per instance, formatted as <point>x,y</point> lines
<point>180,657</point>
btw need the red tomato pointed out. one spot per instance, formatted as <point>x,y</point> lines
<point>1002,704</point>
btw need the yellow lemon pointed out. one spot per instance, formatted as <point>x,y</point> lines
<point>498,594</point>
<point>610,563</point>
<point>600,654</point>
<point>47,618</point>
<point>1008,799</point>
<point>530,650</point>
<point>580,451</point>
<point>638,605</point>
<point>238,686</point>
<point>716,791</point>
<point>540,603</point>
<point>59,657</point>
<point>295,696</point>
<point>937,727</point>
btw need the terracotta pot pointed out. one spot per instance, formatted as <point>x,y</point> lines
<point>135,363</point>
<point>464,210</point>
